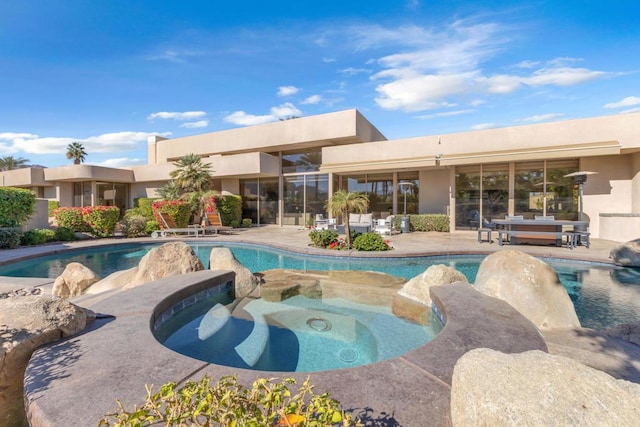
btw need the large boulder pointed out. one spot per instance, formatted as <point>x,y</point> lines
<point>223,259</point>
<point>116,280</point>
<point>167,260</point>
<point>627,254</point>
<point>413,301</point>
<point>490,388</point>
<point>531,286</point>
<point>74,280</point>
<point>26,323</point>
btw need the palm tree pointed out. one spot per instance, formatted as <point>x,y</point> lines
<point>342,202</point>
<point>75,151</point>
<point>192,174</point>
<point>8,163</point>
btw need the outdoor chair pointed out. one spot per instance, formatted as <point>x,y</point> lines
<point>214,223</point>
<point>385,226</point>
<point>169,227</point>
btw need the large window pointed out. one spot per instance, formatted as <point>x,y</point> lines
<point>308,161</point>
<point>112,194</point>
<point>541,189</point>
<point>408,192</point>
<point>82,194</point>
<point>305,196</point>
<point>495,192</point>
<point>260,200</point>
<point>379,188</point>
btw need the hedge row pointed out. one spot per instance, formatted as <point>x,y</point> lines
<point>426,222</point>
<point>100,221</point>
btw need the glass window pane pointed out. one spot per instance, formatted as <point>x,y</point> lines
<point>293,200</point>
<point>495,192</point>
<point>467,196</point>
<point>308,161</point>
<point>411,192</point>
<point>529,189</point>
<point>562,197</point>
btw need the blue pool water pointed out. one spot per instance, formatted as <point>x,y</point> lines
<point>603,295</point>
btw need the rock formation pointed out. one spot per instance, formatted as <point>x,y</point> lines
<point>223,259</point>
<point>365,287</point>
<point>627,254</point>
<point>74,280</point>
<point>531,286</point>
<point>26,323</point>
<point>167,260</point>
<point>413,301</point>
<point>490,388</point>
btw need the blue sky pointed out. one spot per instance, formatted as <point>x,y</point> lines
<point>110,73</point>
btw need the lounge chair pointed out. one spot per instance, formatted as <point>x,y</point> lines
<point>170,227</point>
<point>362,223</point>
<point>385,226</point>
<point>214,223</point>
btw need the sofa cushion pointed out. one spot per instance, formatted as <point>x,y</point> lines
<point>354,218</point>
<point>366,218</point>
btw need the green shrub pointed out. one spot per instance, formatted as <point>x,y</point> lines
<point>144,206</point>
<point>51,206</point>
<point>246,222</point>
<point>429,222</point>
<point>179,211</point>
<point>101,219</point>
<point>37,236</point>
<point>228,403</point>
<point>151,226</point>
<point>10,237</point>
<point>370,242</point>
<point>134,225</point>
<point>16,206</point>
<point>323,238</point>
<point>230,209</point>
<point>64,234</point>
<point>71,218</point>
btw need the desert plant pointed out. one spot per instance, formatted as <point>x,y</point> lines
<point>246,222</point>
<point>230,209</point>
<point>75,151</point>
<point>323,238</point>
<point>8,163</point>
<point>370,242</point>
<point>342,202</point>
<point>133,225</point>
<point>151,226</point>
<point>227,403</point>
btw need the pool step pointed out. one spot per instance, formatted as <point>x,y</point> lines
<point>213,321</point>
<point>251,349</point>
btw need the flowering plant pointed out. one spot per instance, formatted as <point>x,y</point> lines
<point>101,219</point>
<point>178,210</point>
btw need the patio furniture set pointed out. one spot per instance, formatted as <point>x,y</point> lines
<point>212,220</point>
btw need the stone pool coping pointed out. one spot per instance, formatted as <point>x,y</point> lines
<point>78,380</point>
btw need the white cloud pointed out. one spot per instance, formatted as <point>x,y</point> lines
<point>483,126</point>
<point>105,143</point>
<point>276,113</point>
<point>540,117</point>
<point>630,110</point>
<point>629,101</point>
<point>198,124</point>
<point>445,114</point>
<point>177,56</point>
<point>186,115</point>
<point>287,91</point>
<point>121,162</point>
<point>351,71</point>
<point>312,100</point>
<point>476,102</point>
<point>432,66</point>
<point>328,60</point>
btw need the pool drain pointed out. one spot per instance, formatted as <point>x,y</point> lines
<point>319,324</point>
<point>348,355</point>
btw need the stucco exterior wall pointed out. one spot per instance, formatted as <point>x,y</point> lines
<point>619,227</point>
<point>434,191</point>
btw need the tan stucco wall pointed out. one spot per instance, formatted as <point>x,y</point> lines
<point>434,191</point>
<point>619,228</point>
<point>244,165</point>
<point>88,173</point>
<point>23,177</point>
<point>326,129</point>
<point>40,217</point>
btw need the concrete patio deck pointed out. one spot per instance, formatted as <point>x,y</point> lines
<point>75,381</point>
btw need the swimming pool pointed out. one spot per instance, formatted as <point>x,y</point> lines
<point>603,295</point>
